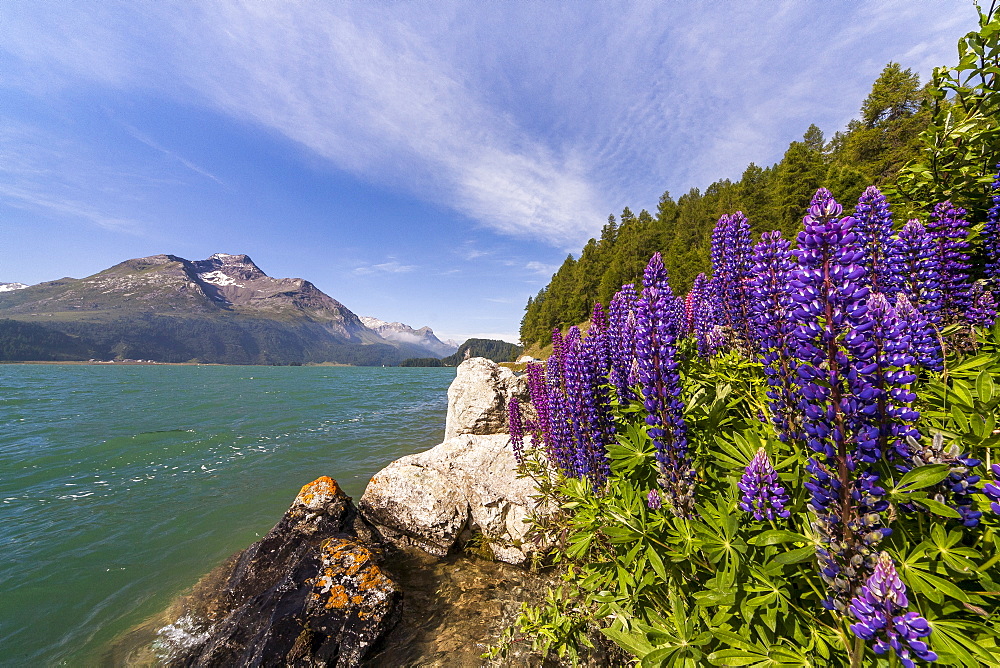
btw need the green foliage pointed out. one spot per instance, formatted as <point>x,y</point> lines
<point>726,590</point>
<point>494,349</point>
<point>24,341</point>
<point>961,146</point>
<point>422,362</point>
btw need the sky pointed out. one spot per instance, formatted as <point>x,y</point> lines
<point>426,162</point>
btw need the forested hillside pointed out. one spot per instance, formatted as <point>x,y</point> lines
<point>870,150</point>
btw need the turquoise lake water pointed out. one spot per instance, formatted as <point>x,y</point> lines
<point>121,485</point>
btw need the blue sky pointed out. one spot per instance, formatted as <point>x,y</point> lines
<point>427,162</point>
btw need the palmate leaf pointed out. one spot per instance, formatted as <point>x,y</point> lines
<point>952,644</point>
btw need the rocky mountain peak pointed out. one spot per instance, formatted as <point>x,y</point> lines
<point>227,269</point>
<point>397,331</point>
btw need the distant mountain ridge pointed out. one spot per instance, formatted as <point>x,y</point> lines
<point>224,309</point>
<point>397,331</point>
<point>9,287</point>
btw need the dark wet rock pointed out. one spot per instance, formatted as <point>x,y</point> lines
<point>312,592</point>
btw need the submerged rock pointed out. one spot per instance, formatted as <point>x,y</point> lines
<point>311,592</point>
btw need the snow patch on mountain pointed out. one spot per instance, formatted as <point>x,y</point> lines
<point>218,278</point>
<point>10,287</point>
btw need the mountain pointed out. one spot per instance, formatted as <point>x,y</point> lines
<point>9,287</point>
<point>423,337</point>
<point>224,310</point>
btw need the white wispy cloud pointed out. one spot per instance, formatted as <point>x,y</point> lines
<point>541,268</point>
<point>611,103</point>
<point>148,141</point>
<point>391,266</point>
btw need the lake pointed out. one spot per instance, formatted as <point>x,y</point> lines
<point>121,485</point>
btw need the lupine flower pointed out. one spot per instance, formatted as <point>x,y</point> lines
<point>949,229</point>
<point>957,490</point>
<point>516,429</point>
<point>874,229</point>
<point>653,501</point>
<point>991,239</point>
<point>539,393</point>
<point>992,489</point>
<point>621,342</point>
<point>830,309</point>
<point>916,269</point>
<point>658,373</point>
<point>703,313</point>
<point>924,344</point>
<point>984,307</point>
<point>880,611</point>
<point>588,410</point>
<point>881,355</point>
<point>771,306</point>
<point>731,266</point>
<point>763,495</point>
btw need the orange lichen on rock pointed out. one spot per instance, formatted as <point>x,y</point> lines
<point>348,574</point>
<point>318,492</point>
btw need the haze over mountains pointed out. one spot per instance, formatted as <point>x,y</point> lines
<point>224,309</point>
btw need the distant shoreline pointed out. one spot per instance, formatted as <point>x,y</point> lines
<point>147,363</point>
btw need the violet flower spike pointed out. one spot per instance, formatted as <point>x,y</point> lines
<point>763,495</point>
<point>950,230</point>
<point>516,429</point>
<point>874,230</point>
<point>991,240</point>
<point>660,379</point>
<point>880,611</point>
<point>771,307</point>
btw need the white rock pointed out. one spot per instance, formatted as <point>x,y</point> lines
<point>468,482</point>
<point>478,397</point>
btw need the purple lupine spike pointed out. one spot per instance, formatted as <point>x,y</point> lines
<point>538,391</point>
<point>992,489</point>
<point>950,230</point>
<point>731,266</point>
<point>703,316</point>
<point>820,199</point>
<point>598,335</point>
<point>516,429</point>
<point>881,357</point>
<point>763,495</point>
<point>830,311</point>
<point>991,240</point>
<point>880,611</point>
<point>653,501</point>
<point>924,344</point>
<point>771,307</point>
<point>720,261</point>
<point>916,271</point>
<point>621,342</point>
<point>658,373</point>
<point>580,425</point>
<point>874,229</point>
<point>983,312</point>
<point>915,268</point>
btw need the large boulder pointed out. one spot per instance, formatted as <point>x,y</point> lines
<point>468,485</point>
<point>311,592</point>
<point>478,398</point>
<point>463,487</point>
